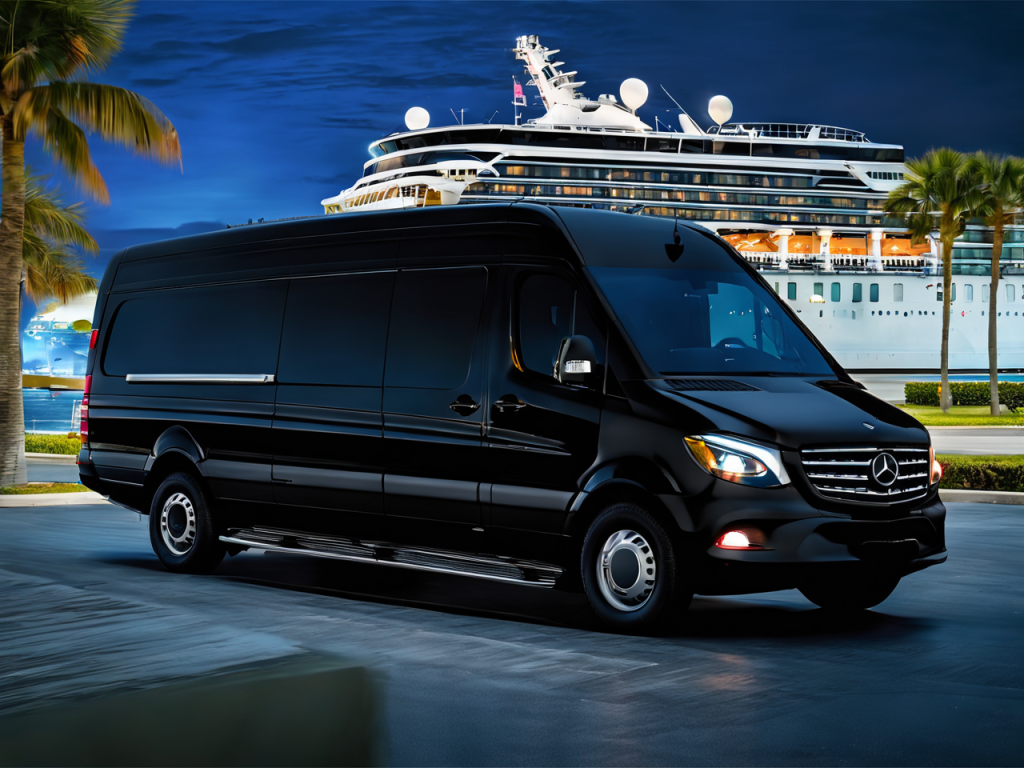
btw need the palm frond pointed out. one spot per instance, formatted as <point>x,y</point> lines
<point>22,70</point>
<point>61,138</point>
<point>119,116</point>
<point>66,37</point>
<point>51,271</point>
<point>47,215</point>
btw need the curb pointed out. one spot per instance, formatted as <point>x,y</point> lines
<point>980,497</point>
<point>51,499</point>
<point>57,458</point>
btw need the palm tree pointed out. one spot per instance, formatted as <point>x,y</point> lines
<point>51,268</point>
<point>47,43</point>
<point>996,199</point>
<point>935,195</point>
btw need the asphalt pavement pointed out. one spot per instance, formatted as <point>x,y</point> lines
<point>474,673</point>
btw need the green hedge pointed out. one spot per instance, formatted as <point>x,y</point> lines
<point>1011,393</point>
<point>69,445</point>
<point>982,473</point>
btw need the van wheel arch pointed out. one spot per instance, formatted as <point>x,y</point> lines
<point>615,492</point>
<point>171,461</point>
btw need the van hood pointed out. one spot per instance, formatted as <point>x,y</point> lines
<point>796,412</point>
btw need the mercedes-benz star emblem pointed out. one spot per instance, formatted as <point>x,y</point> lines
<point>885,469</point>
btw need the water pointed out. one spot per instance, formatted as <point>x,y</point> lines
<point>49,411</point>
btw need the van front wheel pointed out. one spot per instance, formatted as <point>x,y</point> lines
<point>181,528</point>
<point>629,569</point>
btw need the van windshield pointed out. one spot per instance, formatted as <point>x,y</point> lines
<point>694,320</point>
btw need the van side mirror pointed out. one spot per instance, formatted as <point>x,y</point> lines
<point>577,361</point>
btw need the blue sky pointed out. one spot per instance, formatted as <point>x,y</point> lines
<point>276,102</point>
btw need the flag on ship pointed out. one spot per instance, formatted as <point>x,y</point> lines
<point>518,97</point>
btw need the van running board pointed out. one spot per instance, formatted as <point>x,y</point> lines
<point>505,569</point>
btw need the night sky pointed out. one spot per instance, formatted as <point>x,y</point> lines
<point>276,102</point>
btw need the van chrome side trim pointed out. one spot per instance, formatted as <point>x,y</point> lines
<point>200,378</point>
<point>507,570</point>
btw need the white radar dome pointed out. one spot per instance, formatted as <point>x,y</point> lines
<point>417,118</point>
<point>633,93</point>
<point>720,109</point>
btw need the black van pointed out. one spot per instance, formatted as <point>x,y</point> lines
<point>538,396</point>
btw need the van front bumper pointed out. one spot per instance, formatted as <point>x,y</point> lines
<point>800,543</point>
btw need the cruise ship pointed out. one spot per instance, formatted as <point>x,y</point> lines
<point>801,201</point>
<point>55,345</point>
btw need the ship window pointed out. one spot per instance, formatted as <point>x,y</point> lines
<point>873,296</point>
<point>819,289</point>
<point>201,320</point>
<point>791,291</point>
<point>836,292</point>
<point>857,292</point>
<point>938,293</point>
<point>984,293</point>
<point>952,293</point>
<point>968,292</point>
<point>312,349</point>
<point>776,288</point>
<point>1010,292</point>
<point>897,292</point>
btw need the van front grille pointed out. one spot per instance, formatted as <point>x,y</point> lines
<point>868,475</point>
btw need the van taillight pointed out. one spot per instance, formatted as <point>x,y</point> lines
<point>92,339</point>
<point>85,407</point>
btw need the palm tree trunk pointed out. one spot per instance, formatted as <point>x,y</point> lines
<point>945,399</point>
<point>12,225</point>
<point>993,295</point>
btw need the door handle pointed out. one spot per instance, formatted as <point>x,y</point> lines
<point>509,404</point>
<point>464,405</point>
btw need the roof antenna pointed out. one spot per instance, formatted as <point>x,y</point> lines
<point>674,249</point>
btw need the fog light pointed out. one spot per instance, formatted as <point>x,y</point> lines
<point>936,471</point>
<point>746,539</point>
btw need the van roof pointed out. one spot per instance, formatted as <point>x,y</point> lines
<point>444,235</point>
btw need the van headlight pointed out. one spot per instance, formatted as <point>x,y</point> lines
<point>738,461</point>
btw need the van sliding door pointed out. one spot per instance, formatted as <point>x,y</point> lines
<point>328,441</point>
<point>433,396</point>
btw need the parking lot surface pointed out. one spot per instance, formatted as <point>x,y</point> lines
<point>473,673</point>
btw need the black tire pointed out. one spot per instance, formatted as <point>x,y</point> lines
<point>855,592</point>
<point>621,543</point>
<point>184,538</point>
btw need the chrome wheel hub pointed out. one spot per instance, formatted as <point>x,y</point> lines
<point>178,523</point>
<point>626,571</point>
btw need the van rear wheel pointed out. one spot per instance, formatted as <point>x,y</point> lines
<point>630,571</point>
<point>181,527</point>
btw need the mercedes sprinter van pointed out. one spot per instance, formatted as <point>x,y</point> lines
<point>549,397</point>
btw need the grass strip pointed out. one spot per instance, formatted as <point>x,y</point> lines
<point>982,473</point>
<point>962,416</point>
<point>60,444</point>
<point>34,488</point>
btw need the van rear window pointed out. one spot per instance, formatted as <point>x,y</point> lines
<point>220,329</point>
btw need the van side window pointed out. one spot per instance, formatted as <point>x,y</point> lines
<point>221,329</point>
<point>550,309</point>
<point>435,317</point>
<point>335,330</point>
